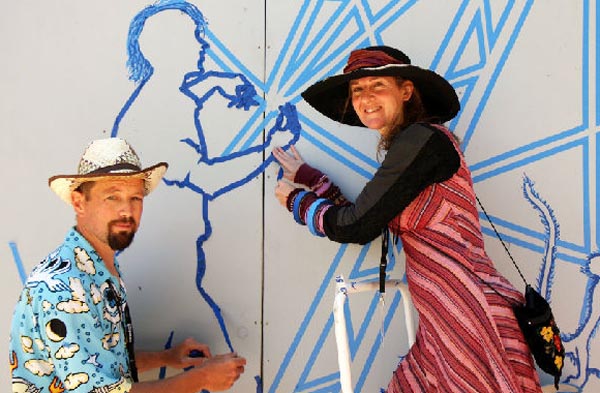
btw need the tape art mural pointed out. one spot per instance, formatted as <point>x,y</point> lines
<point>555,237</point>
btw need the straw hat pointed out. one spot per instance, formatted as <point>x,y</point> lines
<point>330,96</point>
<point>104,159</point>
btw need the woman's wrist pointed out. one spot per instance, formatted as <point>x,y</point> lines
<point>291,197</point>
<point>307,175</point>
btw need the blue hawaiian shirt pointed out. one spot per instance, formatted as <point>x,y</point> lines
<point>67,329</point>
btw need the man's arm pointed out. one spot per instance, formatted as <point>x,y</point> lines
<point>215,374</point>
<point>211,373</point>
<point>186,354</point>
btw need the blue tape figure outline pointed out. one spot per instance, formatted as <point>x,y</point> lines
<point>243,97</point>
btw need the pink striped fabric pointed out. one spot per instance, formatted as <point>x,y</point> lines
<point>468,339</point>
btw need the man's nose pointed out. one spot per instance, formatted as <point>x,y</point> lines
<point>125,210</point>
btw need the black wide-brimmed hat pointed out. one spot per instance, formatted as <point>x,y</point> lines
<point>330,96</point>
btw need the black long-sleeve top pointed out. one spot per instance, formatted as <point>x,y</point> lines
<point>419,156</point>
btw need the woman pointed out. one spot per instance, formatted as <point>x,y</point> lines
<point>468,339</point>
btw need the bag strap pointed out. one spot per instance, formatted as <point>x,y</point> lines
<point>385,237</point>
<point>501,241</point>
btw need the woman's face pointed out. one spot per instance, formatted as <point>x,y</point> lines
<point>379,101</point>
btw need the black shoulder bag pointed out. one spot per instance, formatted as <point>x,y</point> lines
<point>536,322</point>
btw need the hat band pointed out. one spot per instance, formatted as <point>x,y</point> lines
<point>362,58</point>
<point>114,168</point>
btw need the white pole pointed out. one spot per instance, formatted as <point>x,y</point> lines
<point>341,336</point>
<point>343,289</point>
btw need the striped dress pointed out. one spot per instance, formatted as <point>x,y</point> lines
<point>468,339</point>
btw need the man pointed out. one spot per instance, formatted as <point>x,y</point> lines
<point>71,327</point>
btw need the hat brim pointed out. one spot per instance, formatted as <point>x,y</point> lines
<point>330,96</point>
<point>64,185</point>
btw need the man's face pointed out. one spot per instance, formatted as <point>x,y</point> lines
<point>109,212</point>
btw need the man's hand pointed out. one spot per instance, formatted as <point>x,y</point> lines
<point>220,372</point>
<point>213,373</point>
<point>186,354</point>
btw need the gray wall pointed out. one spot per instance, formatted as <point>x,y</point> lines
<point>526,73</point>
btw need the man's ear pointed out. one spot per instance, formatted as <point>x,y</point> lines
<point>77,199</point>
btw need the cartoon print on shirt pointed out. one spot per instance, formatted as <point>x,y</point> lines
<point>96,294</point>
<point>19,384</point>
<point>39,367</point>
<point>56,330</point>
<point>73,381</point>
<point>44,272</point>
<point>83,261</point>
<point>110,340</point>
<point>121,386</point>
<point>22,386</point>
<point>77,304</point>
<point>26,344</point>
<point>67,351</point>
<point>112,313</point>
<point>93,360</point>
<point>29,298</point>
<point>56,386</point>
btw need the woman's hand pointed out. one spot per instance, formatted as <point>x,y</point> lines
<point>289,162</point>
<point>282,191</point>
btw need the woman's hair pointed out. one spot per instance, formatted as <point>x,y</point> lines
<point>414,112</point>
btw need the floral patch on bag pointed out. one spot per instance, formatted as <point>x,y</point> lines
<point>541,333</point>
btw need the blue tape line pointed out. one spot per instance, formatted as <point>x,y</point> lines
<point>18,261</point>
<point>310,216</point>
<point>296,208</point>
